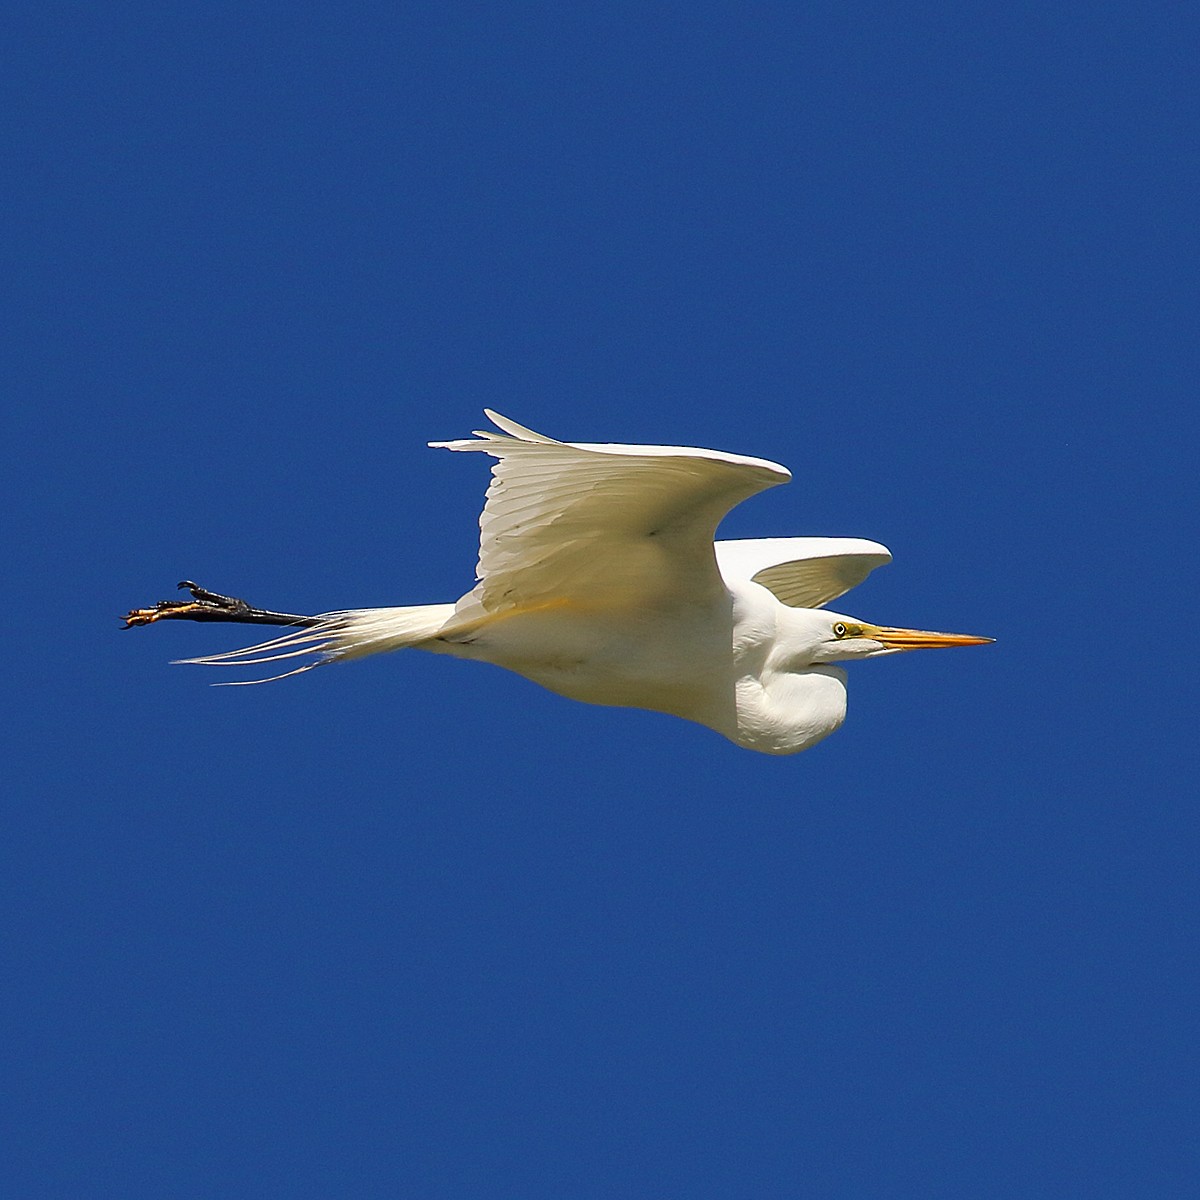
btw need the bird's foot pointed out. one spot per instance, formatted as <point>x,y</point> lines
<point>212,606</point>
<point>204,606</point>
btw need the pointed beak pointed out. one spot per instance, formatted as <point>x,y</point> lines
<point>920,639</point>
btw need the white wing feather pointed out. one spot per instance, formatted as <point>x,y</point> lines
<point>603,525</point>
<point>803,572</point>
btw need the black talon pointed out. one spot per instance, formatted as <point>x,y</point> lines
<point>204,596</point>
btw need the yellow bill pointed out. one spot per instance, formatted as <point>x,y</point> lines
<point>920,639</point>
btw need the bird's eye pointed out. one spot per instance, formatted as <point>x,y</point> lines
<point>839,630</point>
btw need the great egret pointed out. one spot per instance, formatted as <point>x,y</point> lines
<point>599,579</point>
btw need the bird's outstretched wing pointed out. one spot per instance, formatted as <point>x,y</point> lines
<point>602,525</point>
<point>803,572</point>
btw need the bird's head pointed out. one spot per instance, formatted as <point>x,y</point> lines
<point>834,638</point>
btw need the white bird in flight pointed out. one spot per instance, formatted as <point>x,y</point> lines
<point>599,578</point>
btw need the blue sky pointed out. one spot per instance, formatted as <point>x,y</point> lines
<point>414,927</point>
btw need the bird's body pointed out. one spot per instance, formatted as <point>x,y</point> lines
<point>714,663</point>
<point>599,579</point>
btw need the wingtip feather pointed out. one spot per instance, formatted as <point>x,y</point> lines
<point>520,432</point>
<point>510,431</point>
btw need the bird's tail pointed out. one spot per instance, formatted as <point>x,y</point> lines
<point>336,637</point>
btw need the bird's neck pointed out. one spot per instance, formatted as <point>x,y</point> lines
<point>787,711</point>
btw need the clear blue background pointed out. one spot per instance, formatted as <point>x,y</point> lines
<point>414,927</point>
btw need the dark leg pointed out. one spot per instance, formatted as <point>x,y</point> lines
<point>211,606</point>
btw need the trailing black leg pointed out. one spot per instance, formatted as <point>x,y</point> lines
<point>212,606</point>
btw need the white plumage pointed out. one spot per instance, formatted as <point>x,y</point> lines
<point>600,579</point>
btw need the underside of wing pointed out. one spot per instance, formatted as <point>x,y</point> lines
<point>605,525</point>
<point>803,572</point>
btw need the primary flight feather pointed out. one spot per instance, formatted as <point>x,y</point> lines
<point>600,579</point>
